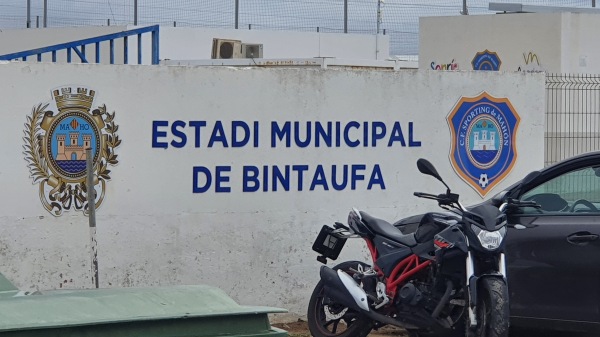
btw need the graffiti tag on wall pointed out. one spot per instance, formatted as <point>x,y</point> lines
<point>531,63</point>
<point>448,66</point>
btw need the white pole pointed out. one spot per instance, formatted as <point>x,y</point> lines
<point>91,196</point>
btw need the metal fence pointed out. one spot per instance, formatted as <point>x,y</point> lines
<point>397,18</point>
<point>572,115</point>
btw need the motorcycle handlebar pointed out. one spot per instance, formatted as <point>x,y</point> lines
<point>425,195</point>
<point>443,199</point>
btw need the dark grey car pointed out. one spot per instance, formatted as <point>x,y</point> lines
<point>553,252</point>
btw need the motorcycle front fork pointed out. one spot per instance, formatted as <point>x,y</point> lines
<point>470,275</point>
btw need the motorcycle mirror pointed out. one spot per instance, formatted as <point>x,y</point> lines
<point>426,167</point>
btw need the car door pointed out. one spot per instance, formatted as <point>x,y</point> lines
<point>553,253</point>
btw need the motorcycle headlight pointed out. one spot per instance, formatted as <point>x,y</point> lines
<point>489,240</point>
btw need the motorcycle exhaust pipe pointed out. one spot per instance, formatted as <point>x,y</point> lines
<point>343,289</point>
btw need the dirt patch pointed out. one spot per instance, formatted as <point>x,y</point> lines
<point>300,329</point>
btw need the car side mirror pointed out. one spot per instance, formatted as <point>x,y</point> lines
<point>530,178</point>
<point>499,198</point>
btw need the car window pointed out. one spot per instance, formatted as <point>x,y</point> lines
<point>574,192</point>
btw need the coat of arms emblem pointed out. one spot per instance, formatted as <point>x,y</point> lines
<point>486,60</point>
<point>56,148</point>
<point>483,149</point>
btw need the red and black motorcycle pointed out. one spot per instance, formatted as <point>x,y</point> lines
<point>447,278</point>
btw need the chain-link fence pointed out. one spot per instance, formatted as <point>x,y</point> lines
<point>572,115</point>
<point>398,18</point>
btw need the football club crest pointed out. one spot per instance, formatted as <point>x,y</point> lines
<point>56,146</point>
<point>483,147</point>
<point>486,60</point>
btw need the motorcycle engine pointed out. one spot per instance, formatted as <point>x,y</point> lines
<point>415,294</point>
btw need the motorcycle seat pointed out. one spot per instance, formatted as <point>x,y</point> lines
<point>410,224</point>
<point>386,229</point>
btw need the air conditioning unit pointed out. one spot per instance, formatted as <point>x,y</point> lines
<point>252,51</point>
<point>226,49</point>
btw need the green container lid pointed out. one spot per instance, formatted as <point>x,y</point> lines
<point>159,311</point>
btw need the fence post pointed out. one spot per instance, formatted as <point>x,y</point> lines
<point>45,13</point>
<point>593,3</point>
<point>346,16</point>
<point>28,13</point>
<point>237,13</point>
<point>135,12</point>
<point>465,10</point>
<point>37,21</point>
<point>379,15</point>
<point>155,42</point>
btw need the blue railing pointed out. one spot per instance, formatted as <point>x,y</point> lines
<point>79,47</point>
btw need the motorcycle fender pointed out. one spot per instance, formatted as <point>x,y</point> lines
<point>474,282</point>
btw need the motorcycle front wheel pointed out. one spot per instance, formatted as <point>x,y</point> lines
<point>492,309</point>
<point>326,318</point>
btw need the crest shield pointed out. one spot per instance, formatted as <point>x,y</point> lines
<point>486,60</point>
<point>56,144</point>
<point>483,131</point>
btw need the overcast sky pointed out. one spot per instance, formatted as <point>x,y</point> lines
<point>400,17</point>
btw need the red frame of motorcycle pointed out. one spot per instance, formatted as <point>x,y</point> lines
<point>401,273</point>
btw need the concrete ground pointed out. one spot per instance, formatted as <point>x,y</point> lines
<point>300,329</point>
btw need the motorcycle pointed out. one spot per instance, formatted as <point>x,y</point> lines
<point>447,278</point>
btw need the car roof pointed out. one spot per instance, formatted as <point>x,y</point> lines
<point>588,157</point>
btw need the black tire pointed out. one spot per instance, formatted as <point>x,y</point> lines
<point>492,309</point>
<point>346,322</point>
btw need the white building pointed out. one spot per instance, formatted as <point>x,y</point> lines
<point>555,42</point>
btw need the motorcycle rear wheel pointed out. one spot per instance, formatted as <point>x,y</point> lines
<point>329,319</point>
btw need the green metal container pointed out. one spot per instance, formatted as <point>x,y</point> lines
<point>179,311</point>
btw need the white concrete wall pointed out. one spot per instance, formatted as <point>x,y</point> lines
<point>526,42</point>
<point>178,43</point>
<point>196,43</point>
<point>17,40</point>
<point>256,246</point>
<point>580,43</point>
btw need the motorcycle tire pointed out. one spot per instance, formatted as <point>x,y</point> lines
<point>345,322</point>
<point>492,309</point>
